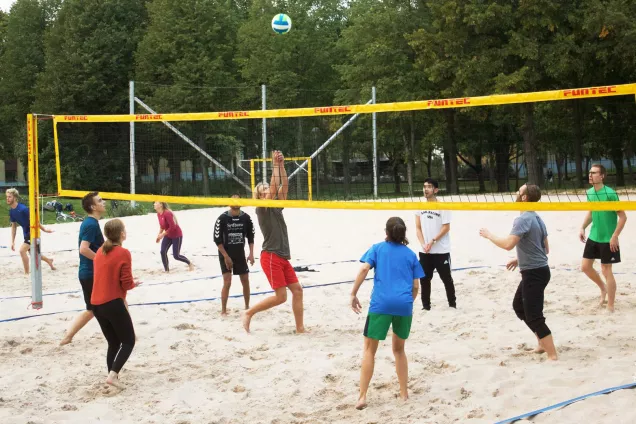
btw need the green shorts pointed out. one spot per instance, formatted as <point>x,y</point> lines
<point>377,326</point>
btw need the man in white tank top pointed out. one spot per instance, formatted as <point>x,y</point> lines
<point>432,227</point>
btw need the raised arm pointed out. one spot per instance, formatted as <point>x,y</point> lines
<point>279,184</point>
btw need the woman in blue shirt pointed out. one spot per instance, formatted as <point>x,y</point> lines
<point>395,286</point>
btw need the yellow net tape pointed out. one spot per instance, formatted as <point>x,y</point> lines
<point>492,100</point>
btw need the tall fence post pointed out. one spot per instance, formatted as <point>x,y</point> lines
<point>375,147</point>
<point>264,107</point>
<point>131,105</point>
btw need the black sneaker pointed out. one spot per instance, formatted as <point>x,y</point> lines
<point>426,308</point>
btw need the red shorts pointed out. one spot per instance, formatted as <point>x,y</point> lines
<point>279,272</point>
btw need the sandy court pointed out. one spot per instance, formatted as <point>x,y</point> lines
<point>189,365</point>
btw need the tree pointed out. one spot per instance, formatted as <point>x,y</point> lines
<point>184,64</point>
<point>89,61</point>
<point>21,61</point>
<point>378,54</point>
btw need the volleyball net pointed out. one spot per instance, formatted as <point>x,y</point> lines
<point>364,156</point>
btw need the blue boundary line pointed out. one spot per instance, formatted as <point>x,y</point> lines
<point>507,421</point>
<point>163,283</point>
<point>566,403</point>
<point>209,299</point>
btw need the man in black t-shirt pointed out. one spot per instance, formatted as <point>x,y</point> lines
<point>230,231</point>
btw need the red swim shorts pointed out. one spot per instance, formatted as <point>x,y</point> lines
<point>279,272</point>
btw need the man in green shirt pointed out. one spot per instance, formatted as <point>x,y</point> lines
<point>602,242</point>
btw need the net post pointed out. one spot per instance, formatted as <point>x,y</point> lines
<point>264,107</point>
<point>309,179</point>
<point>252,176</point>
<point>58,167</point>
<point>131,106</point>
<point>375,147</point>
<point>34,213</point>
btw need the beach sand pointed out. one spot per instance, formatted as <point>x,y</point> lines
<point>190,365</point>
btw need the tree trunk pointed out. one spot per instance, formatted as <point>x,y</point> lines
<point>614,129</point>
<point>429,164</point>
<point>175,172</point>
<point>533,162</point>
<point>492,163</point>
<point>559,164</point>
<point>502,163</point>
<point>396,174</point>
<point>203,163</point>
<point>479,169</point>
<point>345,169</point>
<point>578,144</point>
<point>451,150</point>
<point>629,154</point>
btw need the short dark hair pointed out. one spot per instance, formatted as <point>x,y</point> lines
<point>396,231</point>
<point>432,181</point>
<point>533,192</point>
<point>237,194</point>
<point>88,201</point>
<point>600,167</point>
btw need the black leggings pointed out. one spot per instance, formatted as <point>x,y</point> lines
<point>166,242</point>
<point>528,301</point>
<point>442,263</point>
<point>117,326</point>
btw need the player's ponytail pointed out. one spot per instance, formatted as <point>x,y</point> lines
<point>396,231</point>
<point>113,231</point>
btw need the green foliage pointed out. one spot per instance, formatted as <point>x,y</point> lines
<point>21,60</point>
<point>121,209</point>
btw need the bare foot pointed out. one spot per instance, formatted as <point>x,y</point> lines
<point>539,349</point>
<point>362,403</point>
<point>113,380</point>
<point>50,262</point>
<point>246,321</point>
<point>603,296</point>
<point>610,308</point>
<point>66,340</point>
<point>191,266</point>
<point>553,357</point>
<point>404,398</point>
<point>224,313</point>
<point>301,330</point>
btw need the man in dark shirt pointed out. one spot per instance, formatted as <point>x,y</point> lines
<point>230,231</point>
<point>19,215</point>
<point>275,255</point>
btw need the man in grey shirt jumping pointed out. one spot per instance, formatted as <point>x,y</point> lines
<point>276,253</point>
<point>530,236</point>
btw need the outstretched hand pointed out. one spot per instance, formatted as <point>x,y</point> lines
<point>484,233</point>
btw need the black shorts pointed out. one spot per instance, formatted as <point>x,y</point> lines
<point>239,266</point>
<point>602,251</point>
<point>87,289</point>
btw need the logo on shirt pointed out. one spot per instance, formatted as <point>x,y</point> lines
<point>217,229</point>
<point>430,214</point>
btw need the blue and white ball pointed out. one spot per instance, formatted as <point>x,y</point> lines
<point>281,23</point>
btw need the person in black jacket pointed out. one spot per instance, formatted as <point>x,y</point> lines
<point>230,231</point>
